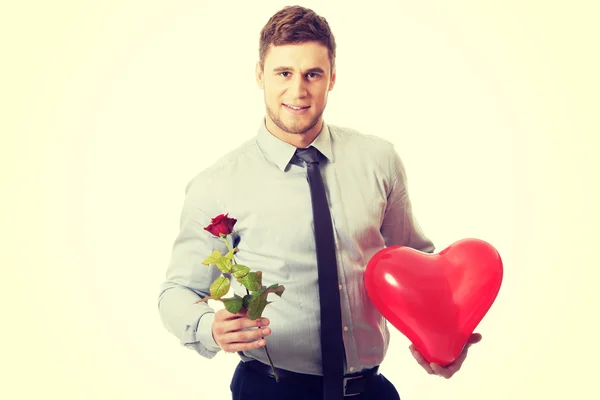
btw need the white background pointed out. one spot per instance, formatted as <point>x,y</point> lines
<point>109,108</point>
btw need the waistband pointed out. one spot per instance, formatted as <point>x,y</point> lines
<point>354,384</point>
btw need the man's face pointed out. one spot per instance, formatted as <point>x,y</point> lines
<point>296,80</point>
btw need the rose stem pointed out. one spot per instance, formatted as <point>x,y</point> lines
<point>266,349</point>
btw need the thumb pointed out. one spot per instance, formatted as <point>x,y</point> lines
<point>475,338</point>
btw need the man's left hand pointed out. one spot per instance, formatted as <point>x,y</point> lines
<point>450,369</point>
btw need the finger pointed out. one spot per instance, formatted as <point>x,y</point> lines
<point>244,346</point>
<point>448,370</point>
<point>244,340</point>
<point>457,363</point>
<point>245,335</point>
<point>459,360</point>
<point>441,371</point>
<point>420,359</point>
<point>237,324</point>
<point>241,330</point>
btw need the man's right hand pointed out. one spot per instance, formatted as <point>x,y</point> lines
<point>227,331</point>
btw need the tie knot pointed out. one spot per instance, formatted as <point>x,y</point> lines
<point>309,155</point>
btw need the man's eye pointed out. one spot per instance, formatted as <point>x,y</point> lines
<point>313,75</point>
<point>284,74</point>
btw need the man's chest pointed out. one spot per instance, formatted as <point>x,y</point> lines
<point>274,209</point>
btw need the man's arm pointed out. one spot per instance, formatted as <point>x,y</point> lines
<point>400,226</point>
<point>187,279</point>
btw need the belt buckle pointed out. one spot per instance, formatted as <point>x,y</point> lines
<point>346,379</point>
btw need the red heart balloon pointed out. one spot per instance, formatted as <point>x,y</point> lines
<point>435,300</point>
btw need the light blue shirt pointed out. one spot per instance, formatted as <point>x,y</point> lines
<point>261,186</point>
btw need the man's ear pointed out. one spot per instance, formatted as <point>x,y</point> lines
<point>332,80</point>
<point>260,75</point>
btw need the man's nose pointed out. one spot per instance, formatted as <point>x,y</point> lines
<point>298,87</point>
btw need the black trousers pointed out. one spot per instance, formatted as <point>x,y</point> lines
<point>247,384</point>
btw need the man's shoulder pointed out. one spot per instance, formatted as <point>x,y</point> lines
<point>361,139</point>
<point>223,165</point>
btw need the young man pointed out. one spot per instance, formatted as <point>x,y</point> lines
<point>263,184</point>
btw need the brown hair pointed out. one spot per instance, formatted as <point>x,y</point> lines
<point>294,25</point>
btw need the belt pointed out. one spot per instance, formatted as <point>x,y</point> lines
<point>354,384</point>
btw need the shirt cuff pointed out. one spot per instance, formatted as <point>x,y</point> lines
<point>204,332</point>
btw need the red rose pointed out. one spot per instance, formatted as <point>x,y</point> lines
<point>221,224</point>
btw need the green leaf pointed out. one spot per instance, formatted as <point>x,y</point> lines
<point>251,281</point>
<point>219,287</point>
<point>229,255</point>
<point>233,304</point>
<point>275,288</point>
<point>257,307</point>
<point>213,258</point>
<point>224,265</point>
<point>249,298</point>
<point>239,271</point>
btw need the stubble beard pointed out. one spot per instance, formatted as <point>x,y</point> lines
<point>290,129</point>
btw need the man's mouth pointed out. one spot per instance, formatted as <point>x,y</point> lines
<point>295,108</point>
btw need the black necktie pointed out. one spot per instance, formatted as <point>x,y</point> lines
<point>332,344</point>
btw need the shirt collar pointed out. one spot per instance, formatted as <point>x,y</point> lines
<point>280,152</point>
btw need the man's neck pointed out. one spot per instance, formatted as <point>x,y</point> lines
<point>298,140</point>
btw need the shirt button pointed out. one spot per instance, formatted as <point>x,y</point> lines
<point>351,369</point>
<point>340,287</point>
<point>345,328</point>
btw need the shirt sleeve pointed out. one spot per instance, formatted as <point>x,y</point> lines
<point>400,226</point>
<point>187,279</point>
